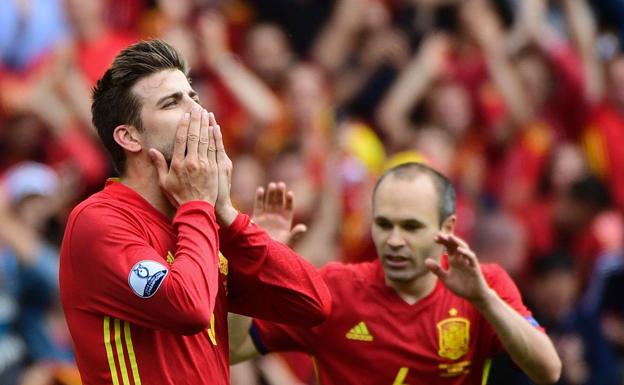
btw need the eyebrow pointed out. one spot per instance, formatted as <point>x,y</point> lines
<point>402,222</point>
<point>176,96</point>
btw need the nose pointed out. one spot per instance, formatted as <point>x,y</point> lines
<point>395,240</point>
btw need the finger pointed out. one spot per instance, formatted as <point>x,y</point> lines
<point>290,206</point>
<point>445,241</point>
<point>204,139</point>
<point>212,120</point>
<point>458,241</point>
<point>469,255</point>
<point>220,148</point>
<point>296,233</point>
<point>192,139</point>
<point>258,208</point>
<point>435,267</point>
<point>159,162</point>
<point>212,148</point>
<point>281,197</point>
<point>270,197</point>
<point>179,147</point>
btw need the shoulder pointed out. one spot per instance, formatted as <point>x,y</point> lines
<point>499,280</point>
<point>94,217</point>
<point>343,277</point>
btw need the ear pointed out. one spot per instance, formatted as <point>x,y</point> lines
<point>448,226</point>
<point>128,138</point>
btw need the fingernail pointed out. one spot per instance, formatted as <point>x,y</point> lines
<point>204,114</point>
<point>187,116</point>
<point>196,108</point>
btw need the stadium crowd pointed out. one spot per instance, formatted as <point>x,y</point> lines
<point>519,102</point>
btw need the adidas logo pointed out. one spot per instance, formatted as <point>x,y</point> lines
<point>359,333</point>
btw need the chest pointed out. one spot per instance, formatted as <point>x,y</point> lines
<point>443,341</point>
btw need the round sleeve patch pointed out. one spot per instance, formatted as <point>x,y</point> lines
<point>146,277</point>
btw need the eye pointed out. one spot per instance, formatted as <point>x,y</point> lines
<point>170,104</point>
<point>411,226</point>
<point>383,224</point>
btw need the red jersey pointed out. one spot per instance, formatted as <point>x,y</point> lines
<point>374,337</point>
<point>138,289</point>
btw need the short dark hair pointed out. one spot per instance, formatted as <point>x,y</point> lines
<point>113,102</point>
<point>444,189</point>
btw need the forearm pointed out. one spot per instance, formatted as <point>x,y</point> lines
<point>241,345</point>
<point>406,92</point>
<point>529,348</point>
<point>336,40</point>
<point>507,81</point>
<point>270,281</point>
<point>21,239</point>
<point>254,95</point>
<point>583,32</point>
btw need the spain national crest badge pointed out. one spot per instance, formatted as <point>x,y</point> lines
<point>453,336</point>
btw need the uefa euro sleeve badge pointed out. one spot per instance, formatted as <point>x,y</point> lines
<point>146,277</point>
<point>453,336</point>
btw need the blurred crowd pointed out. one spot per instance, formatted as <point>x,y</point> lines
<point>519,102</point>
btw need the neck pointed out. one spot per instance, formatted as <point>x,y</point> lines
<point>416,289</point>
<point>142,177</point>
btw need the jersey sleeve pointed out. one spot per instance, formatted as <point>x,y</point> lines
<point>268,280</point>
<point>116,272</point>
<point>274,337</point>
<point>498,279</point>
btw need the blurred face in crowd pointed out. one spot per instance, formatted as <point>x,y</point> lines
<point>405,223</point>
<point>501,239</point>
<point>268,53</point>
<point>248,176</point>
<point>165,96</point>
<point>450,108</point>
<point>568,166</point>
<point>616,81</point>
<point>535,78</point>
<point>291,169</point>
<point>554,294</point>
<point>84,14</point>
<point>176,10</point>
<point>35,211</point>
<point>305,90</point>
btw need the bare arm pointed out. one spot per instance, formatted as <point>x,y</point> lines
<point>582,29</point>
<point>337,39</point>
<point>485,27</point>
<point>248,89</point>
<point>528,347</point>
<point>242,347</point>
<point>410,87</point>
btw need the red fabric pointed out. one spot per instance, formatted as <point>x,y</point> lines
<point>400,335</point>
<point>95,57</point>
<point>567,108</point>
<point>114,229</point>
<point>87,155</point>
<point>606,126</point>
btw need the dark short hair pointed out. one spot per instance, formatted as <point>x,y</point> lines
<point>444,189</point>
<point>113,102</point>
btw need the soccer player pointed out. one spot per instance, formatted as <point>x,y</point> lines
<point>426,312</point>
<point>143,285</point>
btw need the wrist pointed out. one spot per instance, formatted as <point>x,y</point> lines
<point>226,215</point>
<point>484,299</point>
